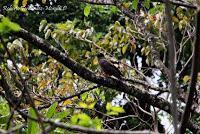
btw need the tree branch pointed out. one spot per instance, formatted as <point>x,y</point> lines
<point>194,74</point>
<point>156,58</point>
<point>8,92</point>
<point>173,2</point>
<point>172,65</point>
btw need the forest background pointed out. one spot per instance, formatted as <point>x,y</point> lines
<point>51,81</point>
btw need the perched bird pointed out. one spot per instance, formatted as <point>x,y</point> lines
<point>107,67</point>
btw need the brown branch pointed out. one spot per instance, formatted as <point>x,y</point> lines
<point>12,130</point>
<point>99,2</point>
<point>9,95</point>
<point>194,74</point>
<point>156,58</point>
<point>178,3</point>
<point>172,65</point>
<point>173,2</point>
<point>188,62</point>
<point>146,84</point>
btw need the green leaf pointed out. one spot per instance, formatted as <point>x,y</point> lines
<point>4,108</point>
<point>91,106</point>
<point>112,113</point>
<point>6,26</point>
<point>124,48</point>
<point>43,23</point>
<point>84,120</point>
<point>84,96</point>
<point>114,9</point>
<point>47,34</point>
<point>4,119</point>
<point>186,78</point>
<point>3,29</point>
<point>108,106</point>
<point>13,26</point>
<point>81,119</point>
<point>82,104</point>
<point>135,4</point>
<point>118,109</point>
<point>15,3</point>
<point>87,10</point>
<point>74,119</point>
<point>33,126</point>
<point>61,115</point>
<point>52,110</point>
<point>147,3</point>
<point>156,9</point>
<point>96,123</point>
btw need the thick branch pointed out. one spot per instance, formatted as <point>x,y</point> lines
<point>99,2</point>
<point>173,2</point>
<point>194,74</point>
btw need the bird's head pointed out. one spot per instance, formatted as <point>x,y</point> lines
<point>100,55</point>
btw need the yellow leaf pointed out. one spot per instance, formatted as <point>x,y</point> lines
<point>67,102</point>
<point>37,102</point>
<point>24,69</point>
<point>91,106</point>
<point>95,61</point>
<point>24,3</point>
<point>89,99</point>
<point>42,84</point>
<point>133,47</point>
<point>68,75</point>
<point>82,104</point>
<point>15,3</point>
<point>186,78</point>
<point>175,19</point>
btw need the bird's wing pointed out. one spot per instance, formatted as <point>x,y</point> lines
<point>109,68</point>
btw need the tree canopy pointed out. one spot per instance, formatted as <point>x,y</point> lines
<point>51,79</point>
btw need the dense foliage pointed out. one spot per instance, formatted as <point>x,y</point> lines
<point>50,77</point>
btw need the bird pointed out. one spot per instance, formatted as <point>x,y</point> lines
<point>107,67</point>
